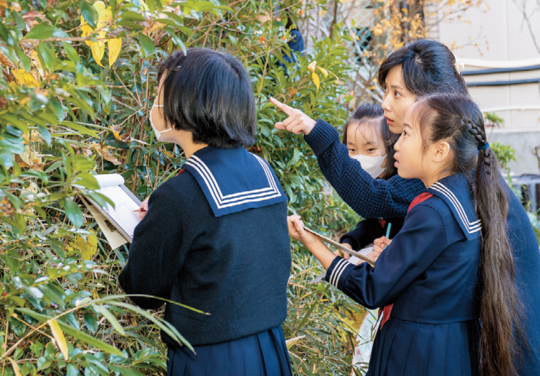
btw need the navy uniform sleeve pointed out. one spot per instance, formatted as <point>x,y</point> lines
<point>359,237</point>
<point>157,252</point>
<point>419,243</point>
<point>369,197</point>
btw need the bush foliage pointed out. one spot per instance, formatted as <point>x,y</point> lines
<point>78,80</point>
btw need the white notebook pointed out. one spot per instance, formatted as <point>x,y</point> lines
<point>122,215</point>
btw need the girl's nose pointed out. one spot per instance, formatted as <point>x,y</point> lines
<point>397,146</point>
<point>386,104</point>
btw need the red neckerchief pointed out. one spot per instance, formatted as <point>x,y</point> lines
<point>387,310</point>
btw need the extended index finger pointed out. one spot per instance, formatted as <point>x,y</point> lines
<point>282,106</point>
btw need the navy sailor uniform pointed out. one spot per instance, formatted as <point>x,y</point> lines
<point>429,274</point>
<point>215,238</point>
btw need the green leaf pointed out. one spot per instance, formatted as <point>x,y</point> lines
<point>147,44</point>
<point>75,333</point>
<point>40,31</point>
<point>91,322</point>
<point>25,60</point>
<point>44,132</point>
<point>110,317</point>
<point>16,122</point>
<point>86,180</point>
<point>151,5</point>
<point>134,16</point>
<point>125,371</point>
<point>204,6</point>
<point>89,14</point>
<point>73,212</point>
<point>71,53</point>
<point>36,174</point>
<point>79,128</point>
<point>72,370</point>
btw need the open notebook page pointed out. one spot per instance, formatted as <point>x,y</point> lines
<point>122,213</point>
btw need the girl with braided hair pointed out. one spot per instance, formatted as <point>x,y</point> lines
<point>421,68</point>
<point>448,273</point>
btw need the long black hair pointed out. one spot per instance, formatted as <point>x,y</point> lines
<point>210,94</point>
<point>374,114</point>
<point>457,119</point>
<point>428,67</point>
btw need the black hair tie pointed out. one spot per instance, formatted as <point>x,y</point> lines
<point>485,146</point>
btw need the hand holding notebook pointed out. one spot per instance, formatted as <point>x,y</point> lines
<point>121,215</point>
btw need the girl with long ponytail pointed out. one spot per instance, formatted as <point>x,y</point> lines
<point>447,277</point>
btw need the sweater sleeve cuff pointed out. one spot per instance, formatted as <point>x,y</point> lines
<point>321,137</point>
<point>349,240</point>
<point>338,272</point>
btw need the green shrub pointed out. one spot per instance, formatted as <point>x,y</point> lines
<point>74,101</point>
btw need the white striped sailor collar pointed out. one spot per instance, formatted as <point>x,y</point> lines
<point>233,180</point>
<point>455,192</point>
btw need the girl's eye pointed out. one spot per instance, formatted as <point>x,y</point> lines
<point>396,94</point>
<point>371,150</point>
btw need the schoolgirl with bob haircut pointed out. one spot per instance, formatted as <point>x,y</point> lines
<point>448,274</point>
<point>215,236</point>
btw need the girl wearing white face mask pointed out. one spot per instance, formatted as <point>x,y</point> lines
<point>194,245</point>
<point>370,143</point>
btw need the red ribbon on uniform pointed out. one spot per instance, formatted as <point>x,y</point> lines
<point>387,310</point>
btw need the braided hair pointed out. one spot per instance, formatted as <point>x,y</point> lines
<point>458,120</point>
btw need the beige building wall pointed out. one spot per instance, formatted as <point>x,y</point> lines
<point>498,32</point>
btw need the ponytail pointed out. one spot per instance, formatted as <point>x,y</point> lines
<point>499,305</point>
<point>458,119</point>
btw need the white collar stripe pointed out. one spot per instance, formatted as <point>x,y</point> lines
<point>224,201</point>
<point>246,199</point>
<point>220,194</point>
<point>210,176</point>
<point>267,171</point>
<point>448,193</point>
<point>471,227</point>
<point>232,197</point>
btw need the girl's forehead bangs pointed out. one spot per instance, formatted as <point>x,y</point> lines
<point>421,114</point>
<point>370,128</point>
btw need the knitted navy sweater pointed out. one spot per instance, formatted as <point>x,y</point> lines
<point>235,267</point>
<point>373,198</point>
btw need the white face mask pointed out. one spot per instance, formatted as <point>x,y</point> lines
<point>156,132</point>
<point>372,165</point>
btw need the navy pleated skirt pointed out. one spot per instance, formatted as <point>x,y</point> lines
<point>411,348</point>
<point>262,354</point>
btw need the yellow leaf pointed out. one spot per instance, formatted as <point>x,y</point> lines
<point>86,30</point>
<point>117,136</point>
<point>16,368</point>
<point>24,78</point>
<point>87,247</point>
<point>97,52</point>
<point>104,18</point>
<point>59,337</point>
<point>311,66</point>
<point>115,45</point>
<point>290,342</point>
<point>324,71</point>
<point>316,80</point>
<point>34,58</point>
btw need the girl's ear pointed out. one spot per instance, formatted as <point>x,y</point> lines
<point>441,151</point>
